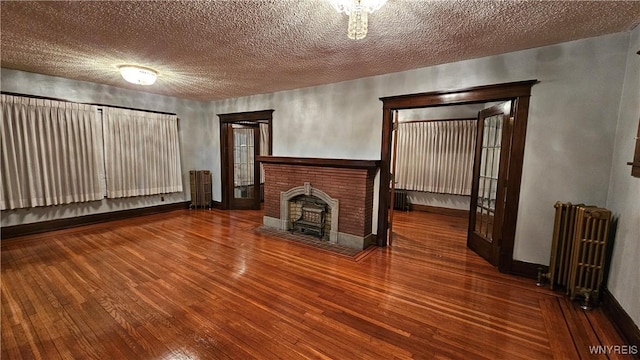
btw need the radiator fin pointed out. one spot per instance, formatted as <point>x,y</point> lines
<point>200,188</point>
<point>588,259</point>
<point>578,249</point>
<point>401,200</point>
<point>563,233</point>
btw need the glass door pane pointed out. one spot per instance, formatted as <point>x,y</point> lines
<point>243,162</point>
<point>488,177</point>
<point>489,181</point>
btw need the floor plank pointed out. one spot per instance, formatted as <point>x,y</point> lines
<point>207,284</point>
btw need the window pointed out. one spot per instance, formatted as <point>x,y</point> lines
<point>51,153</point>
<point>142,153</point>
<point>57,152</point>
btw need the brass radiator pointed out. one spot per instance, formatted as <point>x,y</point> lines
<point>578,250</point>
<point>589,252</point>
<point>562,245</point>
<point>200,188</point>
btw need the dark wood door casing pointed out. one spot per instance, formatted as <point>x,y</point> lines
<point>519,93</point>
<point>226,122</point>
<point>243,203</point>
<point>635,164</point>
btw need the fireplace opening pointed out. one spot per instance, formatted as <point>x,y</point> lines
<point>310,215</point>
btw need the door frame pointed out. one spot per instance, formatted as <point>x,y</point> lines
<point>518,92</point>
<point>249,202</point>
<point>226,121</point>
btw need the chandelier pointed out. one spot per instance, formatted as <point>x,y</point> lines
<point>138,75</point>
<point>357,11</point>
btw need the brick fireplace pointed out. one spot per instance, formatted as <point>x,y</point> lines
<point>343,188</point>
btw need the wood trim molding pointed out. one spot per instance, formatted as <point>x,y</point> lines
<point>247,116</point>
<point>518,92</point>
<point>440,210</point>
<point>226,122</point>
<point>437,120</point>
<point>495,92</point>
<point>620,319</point>
<point>635,165</point>
<point>527,269</point>
<point>520,113</point>
<point>59,224</point>
<point>76,102</point>
<point>338,163</point>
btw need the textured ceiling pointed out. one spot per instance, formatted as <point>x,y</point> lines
<point>209,50</point>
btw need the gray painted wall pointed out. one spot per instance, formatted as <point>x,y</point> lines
<point>624,191</point>
<point>441,112</point>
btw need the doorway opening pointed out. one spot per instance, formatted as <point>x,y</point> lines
<point>499,250</point>
<point>243,137</point>
<point>435,150</point>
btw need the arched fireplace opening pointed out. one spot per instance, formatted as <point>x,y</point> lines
<point>310,215</point>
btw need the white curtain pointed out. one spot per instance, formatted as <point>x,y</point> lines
<point>50,153</point>
<point>142,153</point>
<point>436,156</point>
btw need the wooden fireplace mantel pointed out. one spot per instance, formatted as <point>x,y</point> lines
<point>323,162</point>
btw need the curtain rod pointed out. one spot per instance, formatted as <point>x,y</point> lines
<point>94,104</point>
<point>436,120</point>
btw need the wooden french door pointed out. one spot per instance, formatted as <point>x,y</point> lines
<point>243,146</point>
<point>392,185</point>
<point>489,189</point>
<point>243,136</point>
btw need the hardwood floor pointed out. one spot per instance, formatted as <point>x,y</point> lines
<point>205,285</point>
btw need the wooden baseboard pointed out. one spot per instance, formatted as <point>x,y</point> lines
<point>439,210</point>
<point>216,204</point>
<point>59,224</point>
<point>620,319</point>
<point>527,269</point>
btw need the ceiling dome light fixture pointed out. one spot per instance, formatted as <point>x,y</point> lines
<point>358,11</point>
<point>138,75</point>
